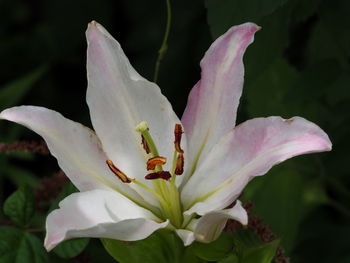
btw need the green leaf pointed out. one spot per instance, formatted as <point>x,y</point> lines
<point>71,248</point>
<point>330,36</point>
<point>250,249</point>
<point>334,19</point>
<point>13,92</point>
<point>272,86</point>
<point>233,258</point>
<point>225,13</point>
<point>304,9</point>
<point>215,250</point>
<point>270,42</point>
<point>17,246</point>
<point>20,176</point>
<point>282,198</point>
<point>323,240</point>
<point>20,206</point>
<point>329,48</point>
<point>338,92</point>
<point>161,246</point>
<point>262,254</point>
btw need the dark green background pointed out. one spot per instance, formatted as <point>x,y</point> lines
<point>298,65</point>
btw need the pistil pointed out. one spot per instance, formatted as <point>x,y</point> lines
<point>142,128</point>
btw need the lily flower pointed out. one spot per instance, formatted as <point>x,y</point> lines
<point>142,169</point>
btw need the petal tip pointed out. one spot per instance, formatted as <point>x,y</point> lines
<point>248,28</point>
<point>252,26</point>
<point>93,25</point>
<point>8,114</point>
<point>3,114</point>
<point>328,145</point>
<point>95,30</point>
<point>242,215</point>
<point>319,138</point>
<point>48,246</point>
<point>186,236</point>
<point>50,243</point>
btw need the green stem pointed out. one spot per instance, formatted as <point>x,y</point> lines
<point>151,145</point>
<point>163,48</point>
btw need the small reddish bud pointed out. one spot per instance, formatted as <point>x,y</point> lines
<point>153,162</point>
<point>122,176</point>
<point>145,145</point>
<point>158,175</point>
<point>180,164</point>
<point>178,133</point>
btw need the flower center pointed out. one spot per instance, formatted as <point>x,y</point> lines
<point>164,182</point>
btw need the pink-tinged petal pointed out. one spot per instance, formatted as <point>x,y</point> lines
<point>119,99</point>
<point>99,214</point>
<point>249,150</point>
<point>186,236</point>
<point>210,226</point>
<point>213,101</point>
<point>76,148</point>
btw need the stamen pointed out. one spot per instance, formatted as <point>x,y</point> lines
<point>158,175</point>
<point>180,164</point>
<point>153,162</point>
<point>178,133</point>
<point>144,144</point>
<point>122,176</point>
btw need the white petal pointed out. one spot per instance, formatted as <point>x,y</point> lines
<point>76,147</point>
<point>119,99</point>
<point>99,214</point>
<point>186,236</point>
<point>212,104</point>
<point>210,226</point>
<point>249,150</point>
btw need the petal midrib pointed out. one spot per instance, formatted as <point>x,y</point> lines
<point>94,174</point>
<point>132,114</point>
<point>237,175</point>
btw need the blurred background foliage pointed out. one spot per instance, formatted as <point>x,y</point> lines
<point>298,65</point>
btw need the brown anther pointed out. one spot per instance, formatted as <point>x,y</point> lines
<point>178,133</point>
<point>158,175</point>
<point>144,144</point>
<point>153,162</point>
<point>122,176</point>
<point>180,164</point>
